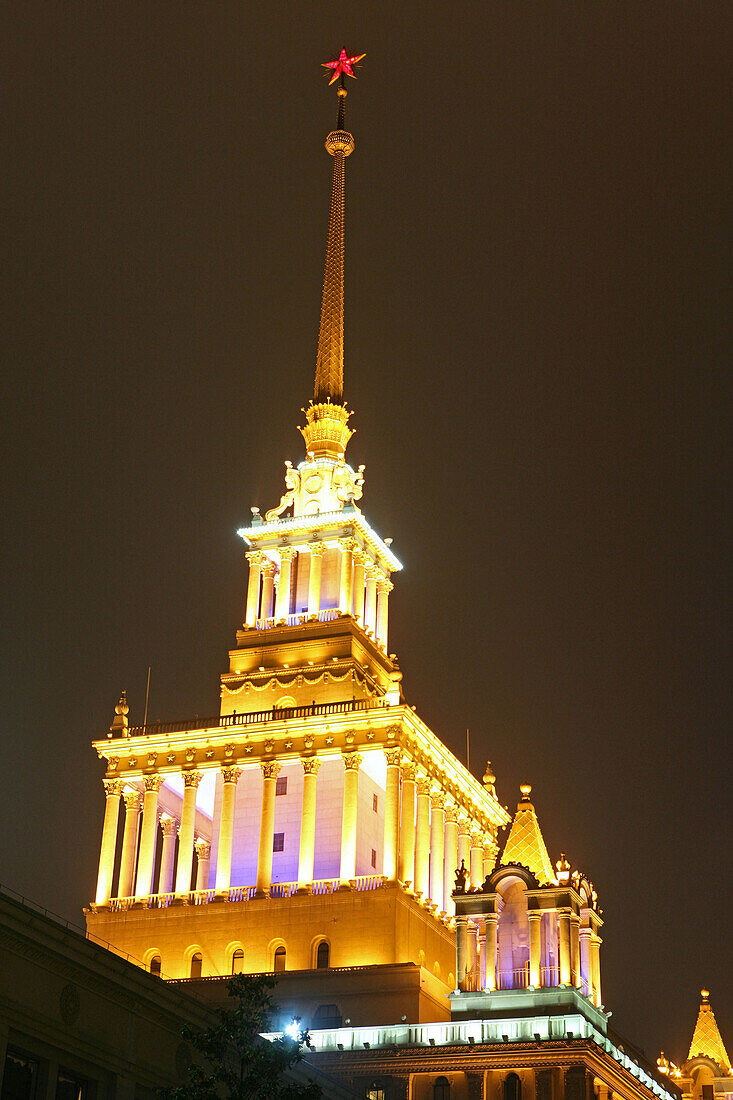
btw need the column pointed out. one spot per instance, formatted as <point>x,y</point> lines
<point>345,587</point>
<point>407,825</point>
<point>129,844</point>
<point>491,851</point>
<point>422,840</point>
<point>317,550</point>
<point>392,815</point>
<point>359,559</point>
<point>437,850</point>
<point>270,772</point>
<point>472,971</point>
<point>575,949</point>
<point>461,951</point>
<point>384,587</point>
<point>492,928</point>
<point>268,584</point>
<point>352,763</point>
<point>191,780</point>
<point>307,855</point>
<point>203,855</point>
<point>564,915</point>
<point>230,777</point>
<point>255,559</point>
<point>169,825</point>
<point>477,859</point>
<point>481,984</point>
<point>112,792</point>
<point>586,985</point>
<point>370,607</point>
<point>464,844</point>
<point>535,917</point>
<point>148,835</point>
<point>282,604</point>
<point>595,968</point>
<point>450,858</point>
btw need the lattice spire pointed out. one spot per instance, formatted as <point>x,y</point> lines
<point>525,843</point>
<point>329,385</point>
<point>707,1039</point>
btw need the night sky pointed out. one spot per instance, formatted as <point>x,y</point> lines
<point>535,336</point>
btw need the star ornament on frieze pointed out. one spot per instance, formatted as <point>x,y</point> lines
<point>343,66</point>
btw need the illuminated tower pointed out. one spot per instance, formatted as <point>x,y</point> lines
<point>315,823</point>
<point>706,1073</point>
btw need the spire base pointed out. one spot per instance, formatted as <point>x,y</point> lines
<point>326,432</point>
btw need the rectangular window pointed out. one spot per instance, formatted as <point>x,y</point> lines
<point>70,1087</point>
<point>278,842</point>
<point>707,1092</point>
<point>375,802</point>
<point>19,1078</point>
<point>374,857</point>
<point>281,784</point>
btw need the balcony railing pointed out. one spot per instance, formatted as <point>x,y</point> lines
<point>512,979</point>
<point>276,714</point>
<point>298,619</point>
<point>241,893</point>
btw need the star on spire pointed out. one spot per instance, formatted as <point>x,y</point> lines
<point>343,66</point>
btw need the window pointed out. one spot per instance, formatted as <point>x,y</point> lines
<point>327,1016</point>
<point>441,1089</point>
<point>237,961</point>
<point>69,1087</point>
<point>374,857</point>
<point>280,956</point>
<point>155,965</point>
<point>278,842</point>
<point>512,1087</point>
<point>322,956</point>
<point>375,1092</point>
<point>281,784</point>
<point>375,802</point>
<point>19,1078</point>
<point>196,965</point>
<point>707,1092</point>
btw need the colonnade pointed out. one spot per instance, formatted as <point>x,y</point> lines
<point>425,834</point>
<point>477,953</point>
<point>363,587</point>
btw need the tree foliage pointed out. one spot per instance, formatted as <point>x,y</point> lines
<point>233,1062</point>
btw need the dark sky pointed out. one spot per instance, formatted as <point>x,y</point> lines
<point>536,245</point>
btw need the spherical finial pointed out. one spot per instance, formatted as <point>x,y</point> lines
<point>254,510</point>
<point>526,790</point>
<point>704,993</point>
<point>122,707</point>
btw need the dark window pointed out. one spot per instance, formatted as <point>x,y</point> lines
<point>155,964</point>
<point>512,1087</point>
<point>374,857</point>
<point>19,1077</point>
<point>69,1087</point>
<point>281,784</point>
<point>707,1092</point>
<point>375,802</point>
<point>326,1016</point>
<point>196,964</point>
<point>280,957</point>
<point>375,1092</point>
<point>322,955</point>
<point>278,842</point>
<point>237,961</point>
<point>441,1089</point>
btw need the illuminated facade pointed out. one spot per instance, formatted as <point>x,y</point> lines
<point>316,805</point>
<point>706,1072</point>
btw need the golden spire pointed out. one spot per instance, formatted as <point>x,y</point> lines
<point>525,843</point>
<point>329,384</point>
<point>707,1040</point>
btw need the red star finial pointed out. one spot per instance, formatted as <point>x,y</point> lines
<point>343,65</point>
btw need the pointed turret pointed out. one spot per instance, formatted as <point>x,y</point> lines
<point>707,1040</point>
<point>525,843</point>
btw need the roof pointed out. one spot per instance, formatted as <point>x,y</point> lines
<point>525,843</point>
<point>707,1040</point>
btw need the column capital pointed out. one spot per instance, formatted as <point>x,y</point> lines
<point>311,765</point>
<point>270,769</point>
<point>384,585</point>
<point>360,556</point>
<point>464,823</point>
<point>393,757</point>
<point>255,557</point>
<point>408,769</point>
<point>192,779</point>
<point>451,812</point>
<point>153,782</point>
<point>317,548</point>
<point>169,825</point>
<point>112,787</point>
<point>347,545</point>
<point>132,801</point>
<point>231,774</point>
<point>477,840</point>
<point>423,785</point>
<point>268,567</point>
<point>437,800</point>
<point>203,847</point>
<point>534,915</point>
<point>352,760</point>
<point>371,570</point>
<point>491,918</point>
<point>287,553</point>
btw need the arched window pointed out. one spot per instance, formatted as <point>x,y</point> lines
<point>196,964</point>
<point>322,956</point>
<point>155,965</point>
<point>237,961</point>
<point>512,1087</point>
<point>280,956</point>
<point>441,1089</point>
